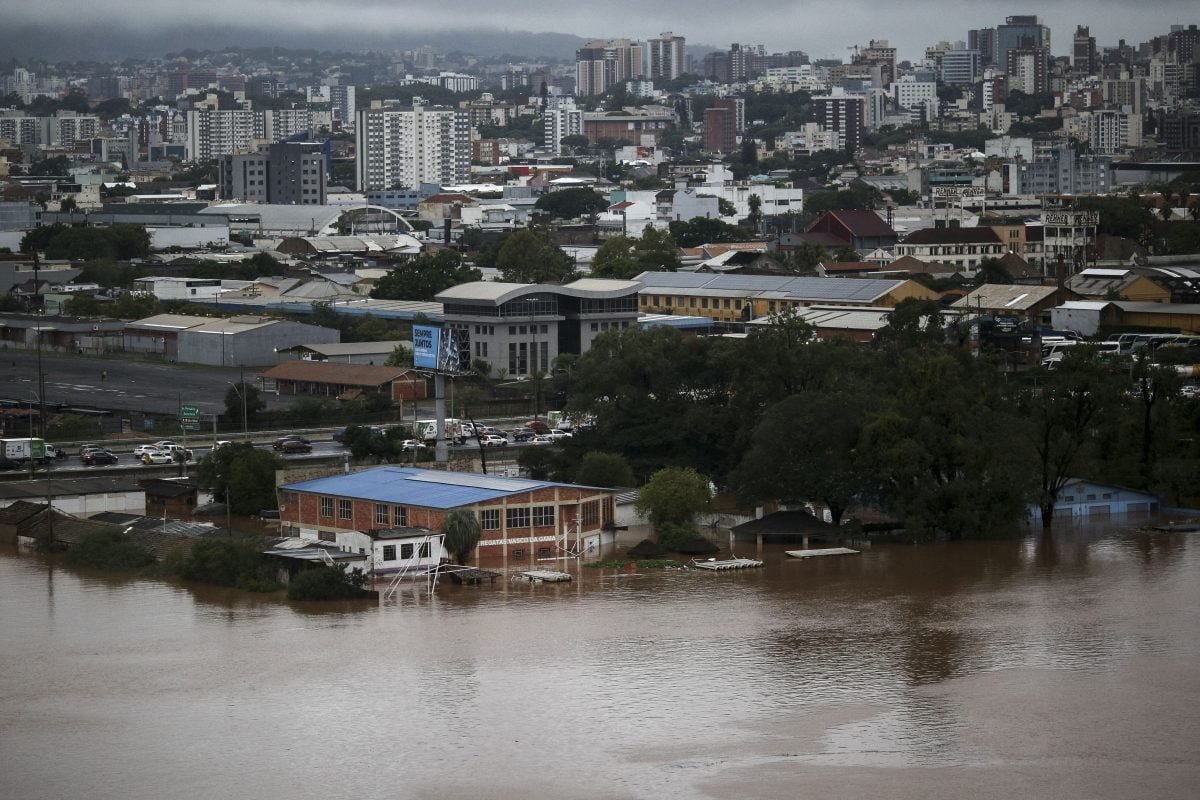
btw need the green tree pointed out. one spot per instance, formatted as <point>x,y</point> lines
<point>110,550</point>
<point>327,582</point>
<point>423,277</point>
<point>913,323</point>
<point>241,475</point>
<point>1063,415</point>
<point>604,469</point>
<point>756,216</point>
<point>572,203</point>
<point>623,258</point>
<point>672,498</point>
<point>701,231</point>
<point>237,562</point>
<point>532,256</point>
<point>992,270</point>
<point>461,529</point>
<point>941,449</point>
<point>805,448</point>
<point>243,404</point>
<point>53,166</point>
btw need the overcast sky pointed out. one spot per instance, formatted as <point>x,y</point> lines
<point>819,27</point>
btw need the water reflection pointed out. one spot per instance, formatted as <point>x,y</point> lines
<point>884,672</point>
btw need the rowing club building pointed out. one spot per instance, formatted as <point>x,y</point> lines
<point>521,521</point>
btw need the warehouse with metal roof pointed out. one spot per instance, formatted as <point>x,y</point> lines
<point>520,520</point>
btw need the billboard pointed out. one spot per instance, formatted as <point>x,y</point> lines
<point>427,346</point>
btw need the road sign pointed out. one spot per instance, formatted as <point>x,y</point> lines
<point>189,417</point>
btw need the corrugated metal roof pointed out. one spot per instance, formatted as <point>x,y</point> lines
<point>421,487</point>
<point>787,287</point>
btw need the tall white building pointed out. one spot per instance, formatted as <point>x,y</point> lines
<point>562,118</point>
<point>61,130</point>
<point>917,93</point>
<point>211,134</point>
<point>339,98</point>
<point>666,56</point>
<point>410,145</point>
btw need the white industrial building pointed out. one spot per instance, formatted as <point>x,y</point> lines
<point>243,341</point>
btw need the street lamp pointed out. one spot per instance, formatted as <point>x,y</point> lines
<point>241,392</point>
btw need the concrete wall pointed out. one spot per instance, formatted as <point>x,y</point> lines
<point>253,347</point>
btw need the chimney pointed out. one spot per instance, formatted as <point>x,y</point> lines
<point>1060,271</point>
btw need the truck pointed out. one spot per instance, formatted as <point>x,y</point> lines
<point>455,430</point>
<point>28,448</point>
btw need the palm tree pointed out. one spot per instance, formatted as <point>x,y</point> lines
<point>461,530</point>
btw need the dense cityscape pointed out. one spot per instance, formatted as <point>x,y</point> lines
<point>315,335</point>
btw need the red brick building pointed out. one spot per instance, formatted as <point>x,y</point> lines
<point>520,520</point>
<point>346,381</point>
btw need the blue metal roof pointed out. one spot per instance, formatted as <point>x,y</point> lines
<point>421,487</point>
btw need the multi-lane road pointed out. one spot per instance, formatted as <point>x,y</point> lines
<point>121,385</point>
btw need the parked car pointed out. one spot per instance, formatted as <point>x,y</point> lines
<point>157,457</point>
<point>492,440</point>
<point>93,449</point>
<point>295,446</point>
<point>523,435</point>
<point>94,458</point>
<point>556,434</point>
<point>537,426</point>
<point>7,464</point>
<point>408,445</point>
<point>220,444</point>
<point>541,440</point>
<point>281,442</point>
<point>165,444</point>
<point>89,446</point>
<point>144,449</point>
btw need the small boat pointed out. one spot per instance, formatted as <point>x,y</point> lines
<point>822,551</point>
<point>727,563</point>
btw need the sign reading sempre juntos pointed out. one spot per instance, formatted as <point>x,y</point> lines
<point>427,342</point>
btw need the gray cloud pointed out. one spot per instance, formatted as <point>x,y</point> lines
<point>820,28</point>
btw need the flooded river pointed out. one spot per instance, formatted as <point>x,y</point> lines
<point>1022,668</point>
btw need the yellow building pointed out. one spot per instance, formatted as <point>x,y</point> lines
<point>1118,284</point>
<point>739,298</point>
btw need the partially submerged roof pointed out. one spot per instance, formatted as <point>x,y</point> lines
<point>422,487</point>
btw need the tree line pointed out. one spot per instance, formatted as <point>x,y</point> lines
<point>943,439</point>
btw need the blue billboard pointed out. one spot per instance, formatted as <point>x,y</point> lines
<point>427,348</point>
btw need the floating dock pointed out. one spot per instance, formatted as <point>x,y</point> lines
<point>822,551</point>
<point>727,563</point>
<point>542,576</point>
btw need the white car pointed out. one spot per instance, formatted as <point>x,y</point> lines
<point>541,440</point>
<point>143,449</point>
<point>556,434</point>
<point>172,449</point>
<point>493,440</point>
<point>158,457</point>
<point>408,445</point>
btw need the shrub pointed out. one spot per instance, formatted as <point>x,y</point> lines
<point>327,583</point>
<point>230,562</point>
<point>109,550</point>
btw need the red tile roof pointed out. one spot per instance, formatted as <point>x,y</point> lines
<point>952,236</point>
<point>863,222</point>
<point>340,374</point>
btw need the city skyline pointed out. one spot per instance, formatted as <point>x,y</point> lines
<point>153,28</point>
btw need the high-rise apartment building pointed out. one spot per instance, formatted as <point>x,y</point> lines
<point>1083,52</point>
<point>211,134</point>
<point>562,118</point>
<point>983,40</point>
<point>844,113</point>
<point>1024,32</point>
<point>339,98</point>
<point>409,145</point>
<point>600,65</point>
<point>1027,69</point>
<point>723,122</point>
<point>666,56</point>
<point>287,173</point>
<point>961,67</point>
<point>63,129</point>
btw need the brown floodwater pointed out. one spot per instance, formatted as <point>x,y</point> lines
<point>1035,668</point>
